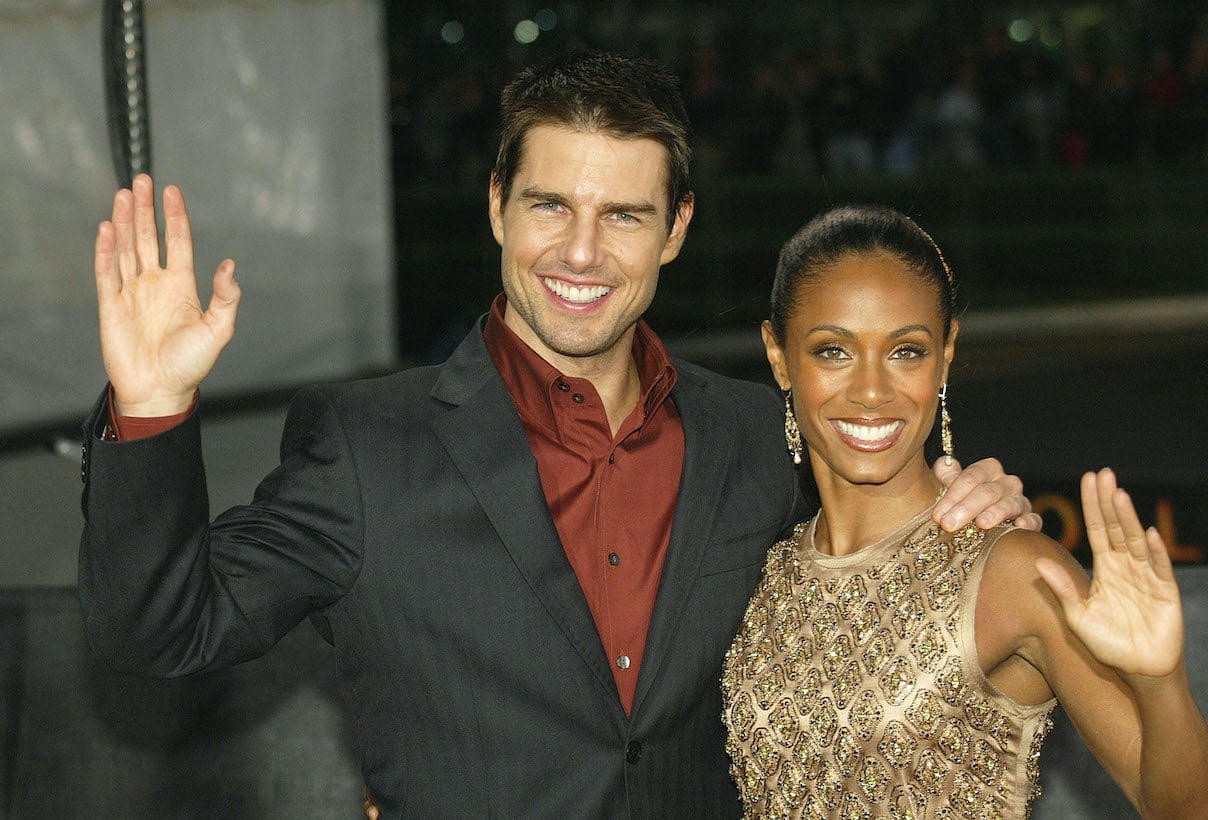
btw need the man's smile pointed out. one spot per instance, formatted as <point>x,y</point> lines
<point>575,294</point>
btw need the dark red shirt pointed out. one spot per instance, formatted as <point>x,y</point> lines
<point>612,497</point>
<point>132,428</point>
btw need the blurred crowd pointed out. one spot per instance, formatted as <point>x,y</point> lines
<point>899,111</point>
<point>992,106</point>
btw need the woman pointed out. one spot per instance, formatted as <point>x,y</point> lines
<point>886,669</point>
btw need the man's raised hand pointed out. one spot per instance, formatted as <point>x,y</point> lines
<point>156,341</point>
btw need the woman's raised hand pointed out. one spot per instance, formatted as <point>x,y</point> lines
<point>156,341</point>
<point>1132,616</point>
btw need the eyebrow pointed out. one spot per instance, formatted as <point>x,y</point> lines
<point>847,334</point>
<point>536,195</point>
<point>643,208</point>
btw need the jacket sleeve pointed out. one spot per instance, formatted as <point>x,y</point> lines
<point>165,592</point>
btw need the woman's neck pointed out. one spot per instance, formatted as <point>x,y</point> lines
<point>856,515</point>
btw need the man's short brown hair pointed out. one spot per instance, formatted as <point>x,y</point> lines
<point>624,97</point>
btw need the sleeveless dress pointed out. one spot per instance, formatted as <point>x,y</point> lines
<point>854,690</point>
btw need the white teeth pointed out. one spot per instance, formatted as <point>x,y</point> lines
<point>865,432</point>
<point>574,294</point>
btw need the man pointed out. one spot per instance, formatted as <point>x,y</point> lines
<point>529,559</point>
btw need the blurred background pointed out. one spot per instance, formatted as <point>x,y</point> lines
<point>339,150</point>
<point>1057,150</point>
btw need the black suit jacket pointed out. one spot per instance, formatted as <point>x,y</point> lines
<point>407,519</point>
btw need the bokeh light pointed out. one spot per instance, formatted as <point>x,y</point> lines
<point>1021,30</point>
<point>526,31</point>
<point>452,32</point>
<point>546,19</point>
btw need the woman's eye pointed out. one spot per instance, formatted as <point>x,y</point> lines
<point>830,352</point>
<point>910,352</point>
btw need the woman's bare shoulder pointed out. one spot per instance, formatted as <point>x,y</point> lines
<point>1012,584</point>
<point>1017,551</point>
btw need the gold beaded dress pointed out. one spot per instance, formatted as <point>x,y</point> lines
<point>854,690</point>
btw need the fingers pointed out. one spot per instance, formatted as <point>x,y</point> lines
<point>1057,579</point>
<point>1030,521</point>
<point>178,235</point>
<point>1111,519</point>
<point>981,493</point>
<point>1105,488</point>
<point>128,244</point>
<point>1123,522</point>
<point>123,235</point>
<point>135,234</point>
<point>1007,509</point>
<point>104,263</point>
<point>1159,555</point>
<point>220,315</point>
<point>146,231</point>
<point>946,470</point>
<point>1112,524</point>
<point>1092,512</point>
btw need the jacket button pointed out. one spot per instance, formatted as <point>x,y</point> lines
<point>633,751</point>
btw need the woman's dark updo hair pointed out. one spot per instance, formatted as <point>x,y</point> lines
<point>859,229</point>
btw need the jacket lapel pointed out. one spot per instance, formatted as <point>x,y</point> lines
<point>486,442</point>
<point>708,450</point>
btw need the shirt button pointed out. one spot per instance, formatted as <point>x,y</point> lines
<point>614,559</point>
<point>578,397</point>
<point>633,751</point>
<point>623,662</point>
<point>564,387</point>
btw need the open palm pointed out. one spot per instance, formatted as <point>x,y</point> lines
<point>156,341</point>
<point>1132,617</point>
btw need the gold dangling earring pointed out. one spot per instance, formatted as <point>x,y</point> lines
<point>945,425</point>
<point>792,433</point>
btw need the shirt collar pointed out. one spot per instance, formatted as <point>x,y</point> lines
<point>530,378</point>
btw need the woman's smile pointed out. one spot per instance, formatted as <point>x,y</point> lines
<point>869,435</point>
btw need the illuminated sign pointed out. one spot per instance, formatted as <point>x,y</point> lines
<point>1179,514</point>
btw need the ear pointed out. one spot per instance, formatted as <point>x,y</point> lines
<point>775,354</point>
<point>495,207</point>
<point>679,228</point>
<point>950,348</point>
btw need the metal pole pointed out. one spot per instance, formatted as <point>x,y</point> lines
<point>124,54</point>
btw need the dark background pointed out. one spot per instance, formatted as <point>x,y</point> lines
<point>1057,151</point>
